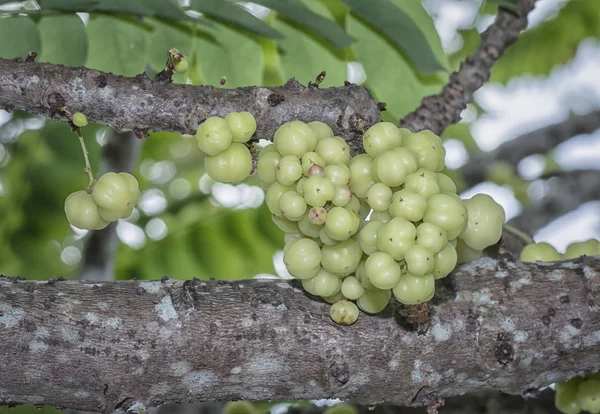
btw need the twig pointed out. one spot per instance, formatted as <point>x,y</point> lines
<point>436,112</point>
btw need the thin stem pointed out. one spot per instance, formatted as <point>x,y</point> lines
<point>521,234</point>
<point>88,167</point>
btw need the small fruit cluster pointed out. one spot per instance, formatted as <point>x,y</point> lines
<point>544,252</point>
<point>578,394</point>
<point>113,197</point>
<point>385,222</point>
<point>223,140</point>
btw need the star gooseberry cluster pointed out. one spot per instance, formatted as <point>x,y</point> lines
<point>359,229</point>
<point>579,394</point>
<point>544,252</point>
<point>113,197</point>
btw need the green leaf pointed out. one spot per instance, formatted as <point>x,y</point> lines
<point>235,15</point>
<point>554,42</point>
<point>166,8</point>
<point>225,52</point>
<point>395,22</point>
<point>67,5</point>
<point>297,12</point>
<point>134,7</point>
<point>23,34</point>
<point>64,40</point>
<point>116,46</point>
<point>304,57</point>
<point>390,75</point>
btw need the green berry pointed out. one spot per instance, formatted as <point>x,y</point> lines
<point>292,206</point>
<point>321,129</point>
<point>339,174</point>
<point>445,261</point>
<point>289,170</point>
<point>396,237</point>
<point>307,228</point>
<point>242,125</point>
<point>273,197</point>
<point>392,166</point>
<point>367,236</point>
<point>423,182</point>
<point>446,183</point>
<point>182,66</point>
<point>446,212</point>
<point>466,254</point>
<point>382,270</point>
<point>379,197</point>
<point>214,136</point>
<point>318,191</point>
<point>117,192</point>
<point>82,211</point>
<point>239,407</point>
<point>413,290</point>
<point>342,259</point>
<point>294,138</point>
<point>334,150</point>
<point>266,167</point>
<point>539,252</point>
<point>302,258</point>
<point>429,149</point>
<point>374,301</point>
<point>351,288</point>
<point>312,158</point>
<point>431,237</point>
<point>342,197</point>
<point>343,312</point>
<point>284,224</point>
<point>317,215</point>
<point>408,204</point>
<point>360,175</point>
<point>383,216</point>
<point>588,395</point>
<point>230,166</point>
<point>381,137</point>
<point>324,284</point>
<point>584,248</point>
<point>341,224</point>
<point>485,221</point>
<point>79,120</point>
<point>419,260</point>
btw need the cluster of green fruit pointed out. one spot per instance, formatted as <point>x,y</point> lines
<point>544,252</point>
<point>223,140</point>
<point>113,197</point>
<point>359,229</point>
<point>578,394</point>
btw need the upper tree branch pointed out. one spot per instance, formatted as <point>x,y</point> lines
<point>539,141</point>
<point>494,325</point>
<point>438,111</point>
<point>140,104</point>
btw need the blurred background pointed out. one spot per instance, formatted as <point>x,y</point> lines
<point>186,226</point>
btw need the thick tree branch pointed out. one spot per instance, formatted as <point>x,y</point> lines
<point>566,192</point>
<point>140,104</point>
<point>495,325</point>
<point>438,111</point>
<point>539,141</point>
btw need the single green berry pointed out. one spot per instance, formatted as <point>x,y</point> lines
<point>79,120</point>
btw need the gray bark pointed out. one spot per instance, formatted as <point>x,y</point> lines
<point>436,112</point>
<point>539,141</point>
<point>140,104</point>
<point>495,325</point>
<point>566,192</point>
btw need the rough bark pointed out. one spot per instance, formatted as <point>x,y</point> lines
<point>539,141</point>
<point>566,192</point>
<point>140,104</point>
<point>495,325</point>
<point>436,112</point>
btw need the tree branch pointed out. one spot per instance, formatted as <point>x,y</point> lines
<point>566,192</point>
<point>539,141</point>
<point>495,325</point>
<point>140,104</point>
<point>438,111</point>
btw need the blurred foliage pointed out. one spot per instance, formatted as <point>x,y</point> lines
<point>539,49</point>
